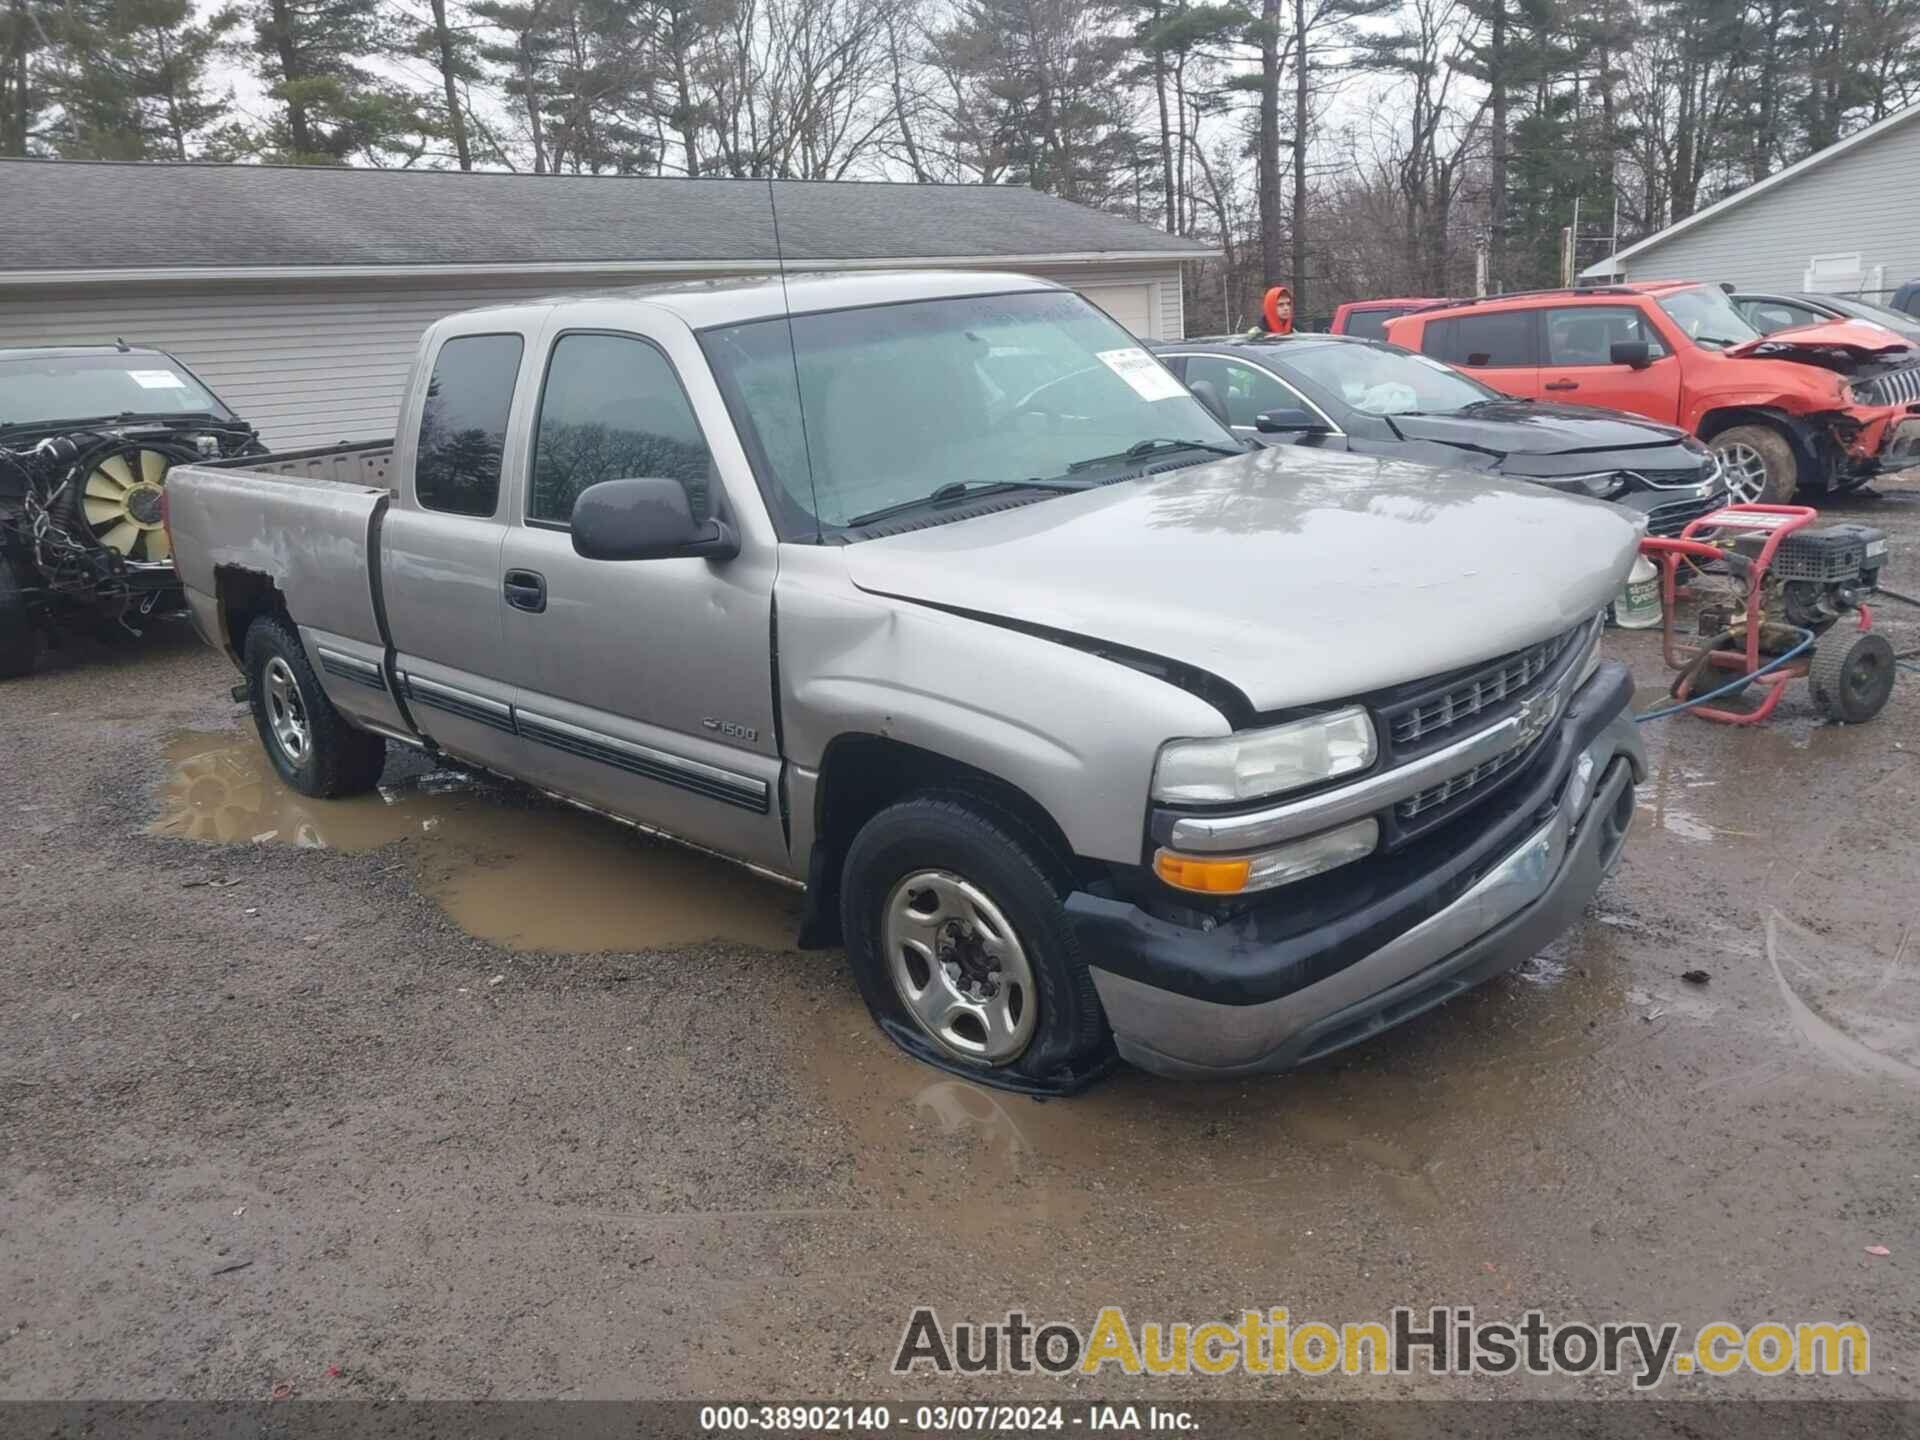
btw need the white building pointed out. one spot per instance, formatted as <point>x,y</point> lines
<point>299,294</point>
<point>1844,220</point>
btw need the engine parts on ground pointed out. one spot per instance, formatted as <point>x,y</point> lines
<point>83,536</point>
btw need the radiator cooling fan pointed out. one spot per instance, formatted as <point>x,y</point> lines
<point>121,500</point>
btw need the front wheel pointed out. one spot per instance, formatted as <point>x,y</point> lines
<point>309,742</point>
<point>963,950</point>
<point>1758,464</point>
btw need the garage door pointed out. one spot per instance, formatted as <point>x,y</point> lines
<point>1131,305</point>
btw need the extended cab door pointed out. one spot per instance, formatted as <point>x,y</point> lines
<point>1579,368</point>
<point>645,687</point>
<point>440,542</point>
<point>1499,348</point>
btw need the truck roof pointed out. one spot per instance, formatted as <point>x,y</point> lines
<point>706,303</point>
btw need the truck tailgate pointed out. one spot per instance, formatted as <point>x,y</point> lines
<point>314,538</point>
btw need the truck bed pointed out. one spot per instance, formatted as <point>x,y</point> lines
<point>307,520</point>
<point>356,462</point>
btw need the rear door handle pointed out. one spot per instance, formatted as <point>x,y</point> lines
<point>1563,384</point>
<point>527,590</point>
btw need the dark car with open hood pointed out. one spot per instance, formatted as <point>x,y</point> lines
<point>87,436</point>
<point>1337,392</point>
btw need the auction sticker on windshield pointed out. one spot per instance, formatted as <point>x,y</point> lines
<point>156,379</point>
<point>1149,378</point>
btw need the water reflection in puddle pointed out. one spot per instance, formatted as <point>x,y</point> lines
<point>505,866</point>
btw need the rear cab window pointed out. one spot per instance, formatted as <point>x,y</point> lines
<point>463,424</point>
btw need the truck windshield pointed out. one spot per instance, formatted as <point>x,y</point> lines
<point>1708,317</point>
<point>903,401</point>
<point>1385,382</point>
<point>82,387</point>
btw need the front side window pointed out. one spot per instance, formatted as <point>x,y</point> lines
<point>463,424</point>
<point>1387,381</point>
<point>896,402</point>
<point>1707,317</point>
<point>1245,391</point>
<point>1586,334</point>
<point>613,409</point>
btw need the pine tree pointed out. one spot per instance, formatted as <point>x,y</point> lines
<point>23,100</point>
<point>131,81</point>
<point>1044,78</point>
<point>312,55</point>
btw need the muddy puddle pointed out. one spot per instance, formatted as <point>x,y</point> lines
<point>504,864</point>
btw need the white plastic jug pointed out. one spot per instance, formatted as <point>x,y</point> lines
<point>1638,607</point>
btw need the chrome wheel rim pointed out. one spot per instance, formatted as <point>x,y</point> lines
<point>286,715</point>
<point>959,968</point>
<point>1746,472</point>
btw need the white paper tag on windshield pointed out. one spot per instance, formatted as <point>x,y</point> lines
<point>157,380</point>
<point>1149,378</point>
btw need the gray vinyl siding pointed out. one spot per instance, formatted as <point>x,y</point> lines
<point>313,364</point>
<point>1863,201</point>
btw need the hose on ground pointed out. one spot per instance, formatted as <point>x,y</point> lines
<point>1806,643</point>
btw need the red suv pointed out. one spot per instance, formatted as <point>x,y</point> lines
<point>1823,406</point>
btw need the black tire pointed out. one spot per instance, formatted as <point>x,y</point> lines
<point>1852,677</point>
<point>990,848</point>
<point>335,758</point>
<point>19,639</point>
<point>1772,450</point>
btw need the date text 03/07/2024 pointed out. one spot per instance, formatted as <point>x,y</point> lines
<point>856,1419</point>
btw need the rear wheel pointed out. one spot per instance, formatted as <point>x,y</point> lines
<point>954,924</point>
<point>309,742</point>
<point>1758,464</point>
<point>19,642</point>
<point>1852,678</point>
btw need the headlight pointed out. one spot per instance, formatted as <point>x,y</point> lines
<point>1601,485</point>
<point>1265,762</point>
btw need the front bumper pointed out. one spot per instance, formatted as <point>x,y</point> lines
<point>1225,1001</point>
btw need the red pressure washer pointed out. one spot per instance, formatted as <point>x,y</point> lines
<point>1779,586</point>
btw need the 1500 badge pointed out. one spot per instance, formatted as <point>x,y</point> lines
<point>731,730</point>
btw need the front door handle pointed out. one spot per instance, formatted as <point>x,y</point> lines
<point>527,590</point>
<point>1563,384</point>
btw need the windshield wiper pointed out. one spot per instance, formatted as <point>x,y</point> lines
<point>1140,449</point>
<point>960,490</point>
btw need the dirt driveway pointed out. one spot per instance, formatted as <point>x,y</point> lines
<point>385,1089</point>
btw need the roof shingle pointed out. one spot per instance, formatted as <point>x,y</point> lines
<point>66,216</point>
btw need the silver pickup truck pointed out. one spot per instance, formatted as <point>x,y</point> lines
<point>1088,732</point>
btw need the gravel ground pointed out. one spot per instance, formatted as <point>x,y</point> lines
<point>303,1128</point>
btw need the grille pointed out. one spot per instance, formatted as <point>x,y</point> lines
<point>1446,790</point>
<point>1672,518</point>
<point>1685,479</point>
<point>1900,387</point>
<point>1477,691</point>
